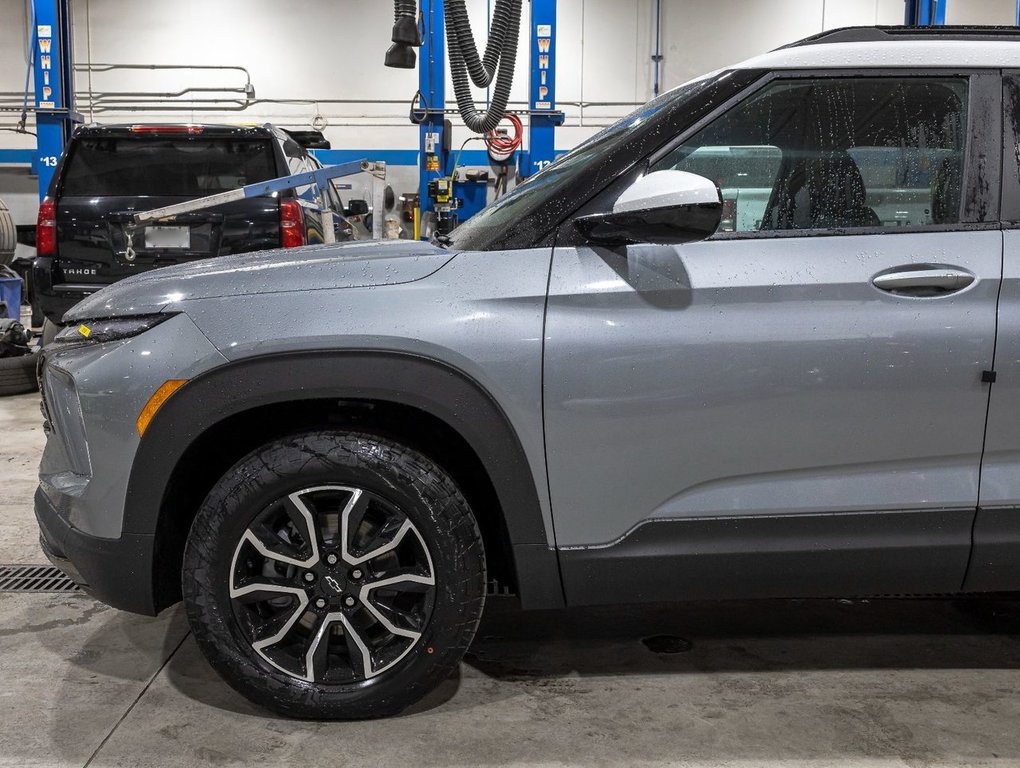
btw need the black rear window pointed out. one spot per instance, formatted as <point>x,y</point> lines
<point>186,167</point>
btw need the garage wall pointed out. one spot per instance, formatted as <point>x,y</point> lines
<point>305,54</point>
<point>309,52</point>
<point>332,49</point>
<point>13,55</point>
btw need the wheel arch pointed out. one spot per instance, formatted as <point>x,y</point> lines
<point>216,417</point>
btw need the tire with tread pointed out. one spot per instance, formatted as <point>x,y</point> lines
<point>429,498</point>
<point>8,235</point>
<point>17,375</point>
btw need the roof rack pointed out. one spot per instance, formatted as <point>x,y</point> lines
<point>888,34</point>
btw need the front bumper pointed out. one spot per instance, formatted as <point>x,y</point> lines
<point>92,394</point>
<point>115,571</point>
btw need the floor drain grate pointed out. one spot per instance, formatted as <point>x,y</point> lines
<point>34,578</point>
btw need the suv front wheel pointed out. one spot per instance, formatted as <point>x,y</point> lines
<point>334,575</point>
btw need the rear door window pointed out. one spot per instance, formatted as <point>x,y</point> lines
<point>122,166</point>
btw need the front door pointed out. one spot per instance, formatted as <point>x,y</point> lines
<point>794,407</point>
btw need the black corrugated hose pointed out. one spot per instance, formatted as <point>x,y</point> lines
<point>405,35</point>
<point>497,64</point>
<point>500,51</point>
<point>404,8</point>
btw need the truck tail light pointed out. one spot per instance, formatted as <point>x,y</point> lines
<point>46,229</point>
<point>292,224</point>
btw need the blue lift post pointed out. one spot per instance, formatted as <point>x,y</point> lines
<point>433,159</point>
<point>926,13</point>
<point>53,58</point>
<point>542,98</point>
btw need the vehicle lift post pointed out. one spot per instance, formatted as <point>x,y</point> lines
<point>53,70</point>
<point>434,157</point>
<point>926,13</point>
<point>544,116</point>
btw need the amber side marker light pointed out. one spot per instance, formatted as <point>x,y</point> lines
<point>160,396</point>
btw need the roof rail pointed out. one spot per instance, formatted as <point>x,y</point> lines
<point>886,34</point>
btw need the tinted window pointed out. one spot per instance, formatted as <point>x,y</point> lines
<point>299,161</point>
<point>836,153</point>
<point>108,166</point>
<point>309,192</point>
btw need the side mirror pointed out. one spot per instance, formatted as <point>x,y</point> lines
<point>356,208</point>
<point>664,207</point>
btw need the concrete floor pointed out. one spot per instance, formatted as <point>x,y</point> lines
<point>805,683</point>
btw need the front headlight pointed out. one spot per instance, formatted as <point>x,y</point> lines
<point>110,329</point>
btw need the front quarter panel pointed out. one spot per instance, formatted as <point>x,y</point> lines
<point>481,314</point>
<point>112,383</point>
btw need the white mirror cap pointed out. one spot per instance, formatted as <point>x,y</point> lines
<point>667,189</point>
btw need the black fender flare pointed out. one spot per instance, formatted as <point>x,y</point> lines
<point>410,380</point>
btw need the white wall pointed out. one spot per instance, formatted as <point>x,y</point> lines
<point>308,51</point>
<point>332,49</point>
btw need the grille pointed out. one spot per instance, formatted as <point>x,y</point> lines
<point>34,578</point>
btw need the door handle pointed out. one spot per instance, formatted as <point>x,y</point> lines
<point>923,280</point>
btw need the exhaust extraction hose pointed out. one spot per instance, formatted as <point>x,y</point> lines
<point>404,8</point>
<point>405,35</point>
<point>497,64</point>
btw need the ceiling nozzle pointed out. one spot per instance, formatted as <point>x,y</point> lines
<point>401,56</point>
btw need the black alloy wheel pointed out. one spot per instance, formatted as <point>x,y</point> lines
<point>332,584</point>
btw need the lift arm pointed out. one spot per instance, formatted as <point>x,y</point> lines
<point>320,177</point>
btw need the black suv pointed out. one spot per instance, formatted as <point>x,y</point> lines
<point>84,238</point>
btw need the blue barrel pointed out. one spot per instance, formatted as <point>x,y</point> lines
<point>10,294</point>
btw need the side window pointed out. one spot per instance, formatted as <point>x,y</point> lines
<point>309,192</point>
<point>836,153</point>
<point>334,198</point>
<point>299,161</point>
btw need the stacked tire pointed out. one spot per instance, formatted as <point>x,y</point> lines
<point>8,235</point>
<point>17,373</point>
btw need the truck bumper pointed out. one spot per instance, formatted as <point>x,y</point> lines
<point>53,300</point>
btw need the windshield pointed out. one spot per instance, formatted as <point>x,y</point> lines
<point>547,187</point>
<point>112,166</point>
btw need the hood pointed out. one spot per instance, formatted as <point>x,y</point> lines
<point>317,267</point>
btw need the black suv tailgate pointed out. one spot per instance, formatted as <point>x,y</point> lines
<point>106,179</point>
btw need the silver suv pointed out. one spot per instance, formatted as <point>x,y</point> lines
<point>623,382</point>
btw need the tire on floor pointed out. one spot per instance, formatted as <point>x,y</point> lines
<point>218,590</point>
<point>17,375</point>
